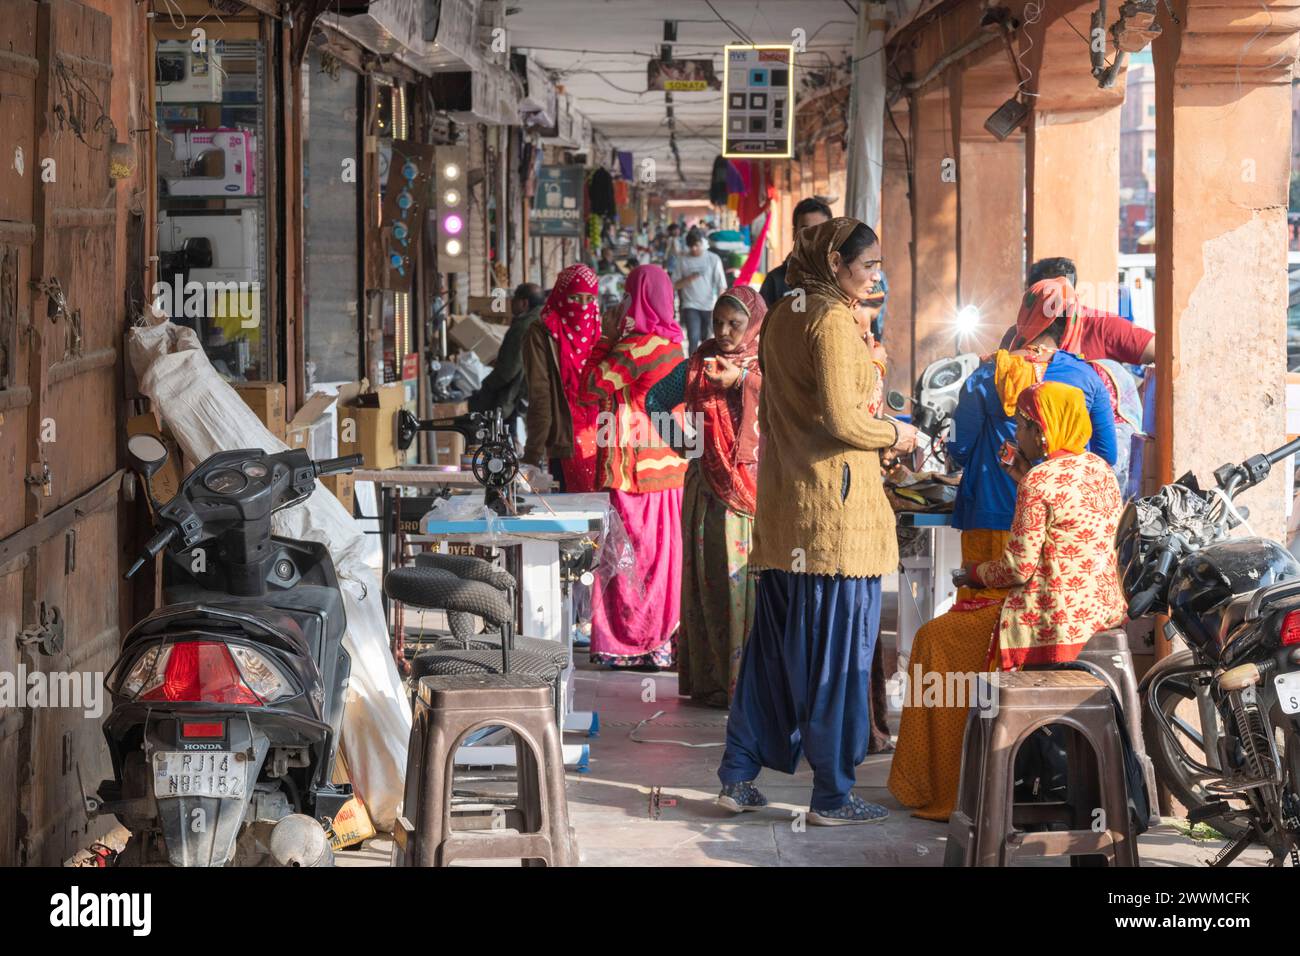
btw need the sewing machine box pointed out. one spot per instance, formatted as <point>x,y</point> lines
<point>368,423</point>
<point>312,428</point>
<point>471,334</point>
<point>448,447</point>
<point>266,399</point>
<point>342,487</point>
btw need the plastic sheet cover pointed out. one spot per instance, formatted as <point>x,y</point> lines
<point>207,416</point>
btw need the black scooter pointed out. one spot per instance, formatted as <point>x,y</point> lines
<point>228,699</point>
<point>1221,719</point>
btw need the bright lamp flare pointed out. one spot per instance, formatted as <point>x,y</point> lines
<point>451,171</point>
<point>453,247</point>
<point>453,224</point>
<point>968,319</point>
<point>451,197</point>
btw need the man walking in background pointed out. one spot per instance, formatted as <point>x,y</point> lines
<point>699,280</point>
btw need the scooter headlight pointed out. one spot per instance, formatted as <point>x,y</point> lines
<point>262,677</point>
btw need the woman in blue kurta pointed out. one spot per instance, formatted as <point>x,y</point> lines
<point>981,424</point>
<point>927,760</point>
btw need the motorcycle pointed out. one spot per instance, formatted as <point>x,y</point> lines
<point>228,699</point>
<point>1221,718</point>
<point>933,405</point>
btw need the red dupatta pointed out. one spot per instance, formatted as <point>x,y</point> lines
<point>575,330</point>
<point>730,416</point>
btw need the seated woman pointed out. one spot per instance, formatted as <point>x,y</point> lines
<point>1059,565</point>
<point>1051,589</point>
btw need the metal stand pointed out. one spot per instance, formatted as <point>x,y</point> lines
<point>925,588</point>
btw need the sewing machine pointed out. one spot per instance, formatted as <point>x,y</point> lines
<point>182,75</point>
<point>494,464</point>
<point>238,172</point>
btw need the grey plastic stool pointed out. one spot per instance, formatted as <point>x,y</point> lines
<point>983,831</point>
<point>447,711</point>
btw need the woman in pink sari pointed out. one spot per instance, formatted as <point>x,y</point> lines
<point>635,617</point>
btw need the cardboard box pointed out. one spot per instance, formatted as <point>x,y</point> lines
<point>343,487</point>
<point>368,423</point>
<point>485,307</point>
<point>266,399</point>
<point>471,334</point>
<point>448,447</point>
<point>310,428</point>
<point>167,481</point>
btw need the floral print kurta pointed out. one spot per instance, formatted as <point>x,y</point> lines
<point>1059,563</point>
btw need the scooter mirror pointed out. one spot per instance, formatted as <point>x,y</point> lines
<point>896,400</point>
<point>147,453</point>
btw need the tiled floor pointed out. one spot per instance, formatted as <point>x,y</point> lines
<point>618,821</point>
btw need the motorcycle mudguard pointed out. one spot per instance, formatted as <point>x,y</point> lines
<point>202,831</point>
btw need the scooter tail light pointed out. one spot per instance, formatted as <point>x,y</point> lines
<point>260,675</point>
<point>1291,629</point>
<point>197,672</point>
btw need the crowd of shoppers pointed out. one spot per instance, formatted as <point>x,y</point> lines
<point>761,547</point>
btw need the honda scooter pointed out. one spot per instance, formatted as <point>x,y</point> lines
<point>228,699</point>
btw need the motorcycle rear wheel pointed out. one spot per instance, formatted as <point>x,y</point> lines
<point>1185,785</point>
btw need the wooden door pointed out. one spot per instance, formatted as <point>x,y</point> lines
<point>60,386</point>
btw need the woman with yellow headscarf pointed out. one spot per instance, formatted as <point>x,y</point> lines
<point>1060,562</point>
<point>1058,585</point>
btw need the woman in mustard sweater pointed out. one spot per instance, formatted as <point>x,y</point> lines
<point>823,535</point>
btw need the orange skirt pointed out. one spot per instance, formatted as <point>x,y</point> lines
<point>927,762</point>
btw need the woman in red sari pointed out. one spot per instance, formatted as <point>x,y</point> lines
<point>635,617</point>
<point>719,385</point>
<point>561,430</point>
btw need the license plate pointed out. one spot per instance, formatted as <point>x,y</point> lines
<point>215,773</point>
<point>1288,692</point>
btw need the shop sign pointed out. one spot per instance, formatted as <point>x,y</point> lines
<point>557,204</point>
<point>758,102</point>
<point>681,76</point>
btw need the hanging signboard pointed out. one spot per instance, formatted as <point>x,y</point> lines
<point>681,76</point>
<point>758,102</point>
<point>557,203</point>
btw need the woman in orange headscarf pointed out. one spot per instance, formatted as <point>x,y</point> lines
<point>1054,585</point>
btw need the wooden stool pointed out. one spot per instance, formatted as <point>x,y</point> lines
<point>982,830</point>
<point>448,710</point>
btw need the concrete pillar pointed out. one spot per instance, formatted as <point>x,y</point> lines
<point>1223,140</point>
<point>934,228</point>
<point>990,202</point>
<point>1072,168</point>
<point>895,231</point>
<point>1072,153</point>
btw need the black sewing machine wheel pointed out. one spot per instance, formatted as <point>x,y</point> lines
<point>494,465</point>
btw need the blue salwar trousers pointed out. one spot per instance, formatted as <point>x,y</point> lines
<point>803,683</point>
